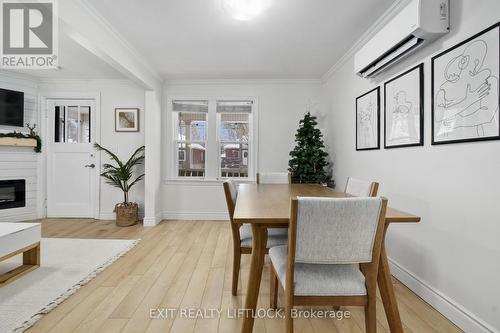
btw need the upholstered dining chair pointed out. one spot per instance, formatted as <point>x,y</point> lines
<point>273,178</point>
<point>361,188</point>
<point>242,234</point>
<point>332,256</point>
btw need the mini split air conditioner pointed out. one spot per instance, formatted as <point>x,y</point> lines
<point>418,23</point>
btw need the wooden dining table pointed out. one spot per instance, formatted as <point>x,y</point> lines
<point>268,206</point>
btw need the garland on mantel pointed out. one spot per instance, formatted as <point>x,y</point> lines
<point>19,135</point>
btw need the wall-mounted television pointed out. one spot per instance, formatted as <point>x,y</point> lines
<point>11,108</point>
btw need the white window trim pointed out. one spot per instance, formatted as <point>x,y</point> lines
<point>211,172</point>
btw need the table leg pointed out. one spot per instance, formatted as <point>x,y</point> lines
<point>256,265</point>
<point>387,292</point>
<point>31,261</point>
<point>32,256</point>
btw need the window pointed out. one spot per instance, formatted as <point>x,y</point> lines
<point>72,124</point>
<point>233,132</point>
<point>212,138</point>
<point>191,137</point>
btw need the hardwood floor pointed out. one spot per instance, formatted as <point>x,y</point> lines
<point>187,264</point>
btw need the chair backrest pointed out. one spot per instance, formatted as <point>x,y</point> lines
<point>231,193</point>
<point>273,178</point>
<point>361,188</point>
<point>337,230</point>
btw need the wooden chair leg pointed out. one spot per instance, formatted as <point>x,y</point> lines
<point>273,288</point>
<point>371,314</point>
<point>236,270</point>
<point>288,312</point>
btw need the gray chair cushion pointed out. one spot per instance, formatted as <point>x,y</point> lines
<point>319,279</point>
<point>336,230</point>
<point>273,178</point>
<point>275,236</point>
<point>358,187</point>
<point>233,189</point>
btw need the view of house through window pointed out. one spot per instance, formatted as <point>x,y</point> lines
<point>208,152</point>
<point>234,137</point>
<point>191,137</point>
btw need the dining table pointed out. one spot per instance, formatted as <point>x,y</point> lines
<point>266,206</point>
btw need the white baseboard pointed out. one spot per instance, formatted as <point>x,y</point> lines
<point>107,216</point>
<point>151,221</point>
<point>455,312</point>
<point>195,216</point>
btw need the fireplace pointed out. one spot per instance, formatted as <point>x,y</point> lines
<point>12,193</point>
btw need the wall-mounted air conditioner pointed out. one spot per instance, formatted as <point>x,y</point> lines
<point>418,23</point>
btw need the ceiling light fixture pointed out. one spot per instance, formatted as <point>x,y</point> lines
<point>245,10</point>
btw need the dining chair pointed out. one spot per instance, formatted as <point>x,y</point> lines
<point>332,256</point>
<point>273,178</point>
<point>361,188</point>
<point>242,234</point>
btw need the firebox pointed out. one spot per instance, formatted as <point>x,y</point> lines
<point>12,193</point>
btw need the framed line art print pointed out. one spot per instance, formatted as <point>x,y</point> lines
<point>465,95</point>
<point>404,109</point>
<point>126,120</point>
<point>368,120</point>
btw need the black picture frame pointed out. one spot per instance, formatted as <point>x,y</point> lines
<point>433,90</point>
<point>420,94</point>
<point>377,90</point>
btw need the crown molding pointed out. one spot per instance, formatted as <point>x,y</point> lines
<point>374,28</point>
<point>101,81</point>
<point>176,82</point>
<point>91,10</point>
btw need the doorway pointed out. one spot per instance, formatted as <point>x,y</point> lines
<point>72,166</point>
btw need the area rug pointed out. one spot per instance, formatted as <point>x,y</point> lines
<point>66,265</point>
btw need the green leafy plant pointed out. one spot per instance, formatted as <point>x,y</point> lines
<point>119,175</point>
<point>308,163</point>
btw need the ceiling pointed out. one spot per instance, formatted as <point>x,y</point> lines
<point>196,39</point>
<point>75,62</point>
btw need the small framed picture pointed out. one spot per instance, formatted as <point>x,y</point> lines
<point>368,120</point>
<point>404,109</point>
<point>126,120</point>
<point>465,90</point>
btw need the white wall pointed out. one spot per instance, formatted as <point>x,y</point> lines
<point>452,258</point>
<point>21,162</point>
<point>281,104</point>
<point>114,94</point>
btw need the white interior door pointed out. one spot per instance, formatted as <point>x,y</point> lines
<point>71,162</point>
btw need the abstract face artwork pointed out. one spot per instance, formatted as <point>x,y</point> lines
<point>465,90</point>
<point>403,100</point>
<point>367,120</point>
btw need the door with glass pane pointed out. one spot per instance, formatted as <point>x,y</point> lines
<point>71,164</point>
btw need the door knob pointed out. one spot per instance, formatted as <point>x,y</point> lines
<point>90,165</point>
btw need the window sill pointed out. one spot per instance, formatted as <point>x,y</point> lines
<point>205,182</point>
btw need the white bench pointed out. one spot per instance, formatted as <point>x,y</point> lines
<point>17,238</point>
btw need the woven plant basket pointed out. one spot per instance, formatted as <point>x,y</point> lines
<point>126,215</point>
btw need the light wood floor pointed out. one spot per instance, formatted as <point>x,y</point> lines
<point>187,264</point>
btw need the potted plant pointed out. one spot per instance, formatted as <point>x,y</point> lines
<point>120,176</point>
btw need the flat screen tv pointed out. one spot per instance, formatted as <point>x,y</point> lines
<point>11,108</point>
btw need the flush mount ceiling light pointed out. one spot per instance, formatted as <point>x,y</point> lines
<point>245,10</point>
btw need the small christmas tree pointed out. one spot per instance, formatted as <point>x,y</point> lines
<point>308,163</point>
